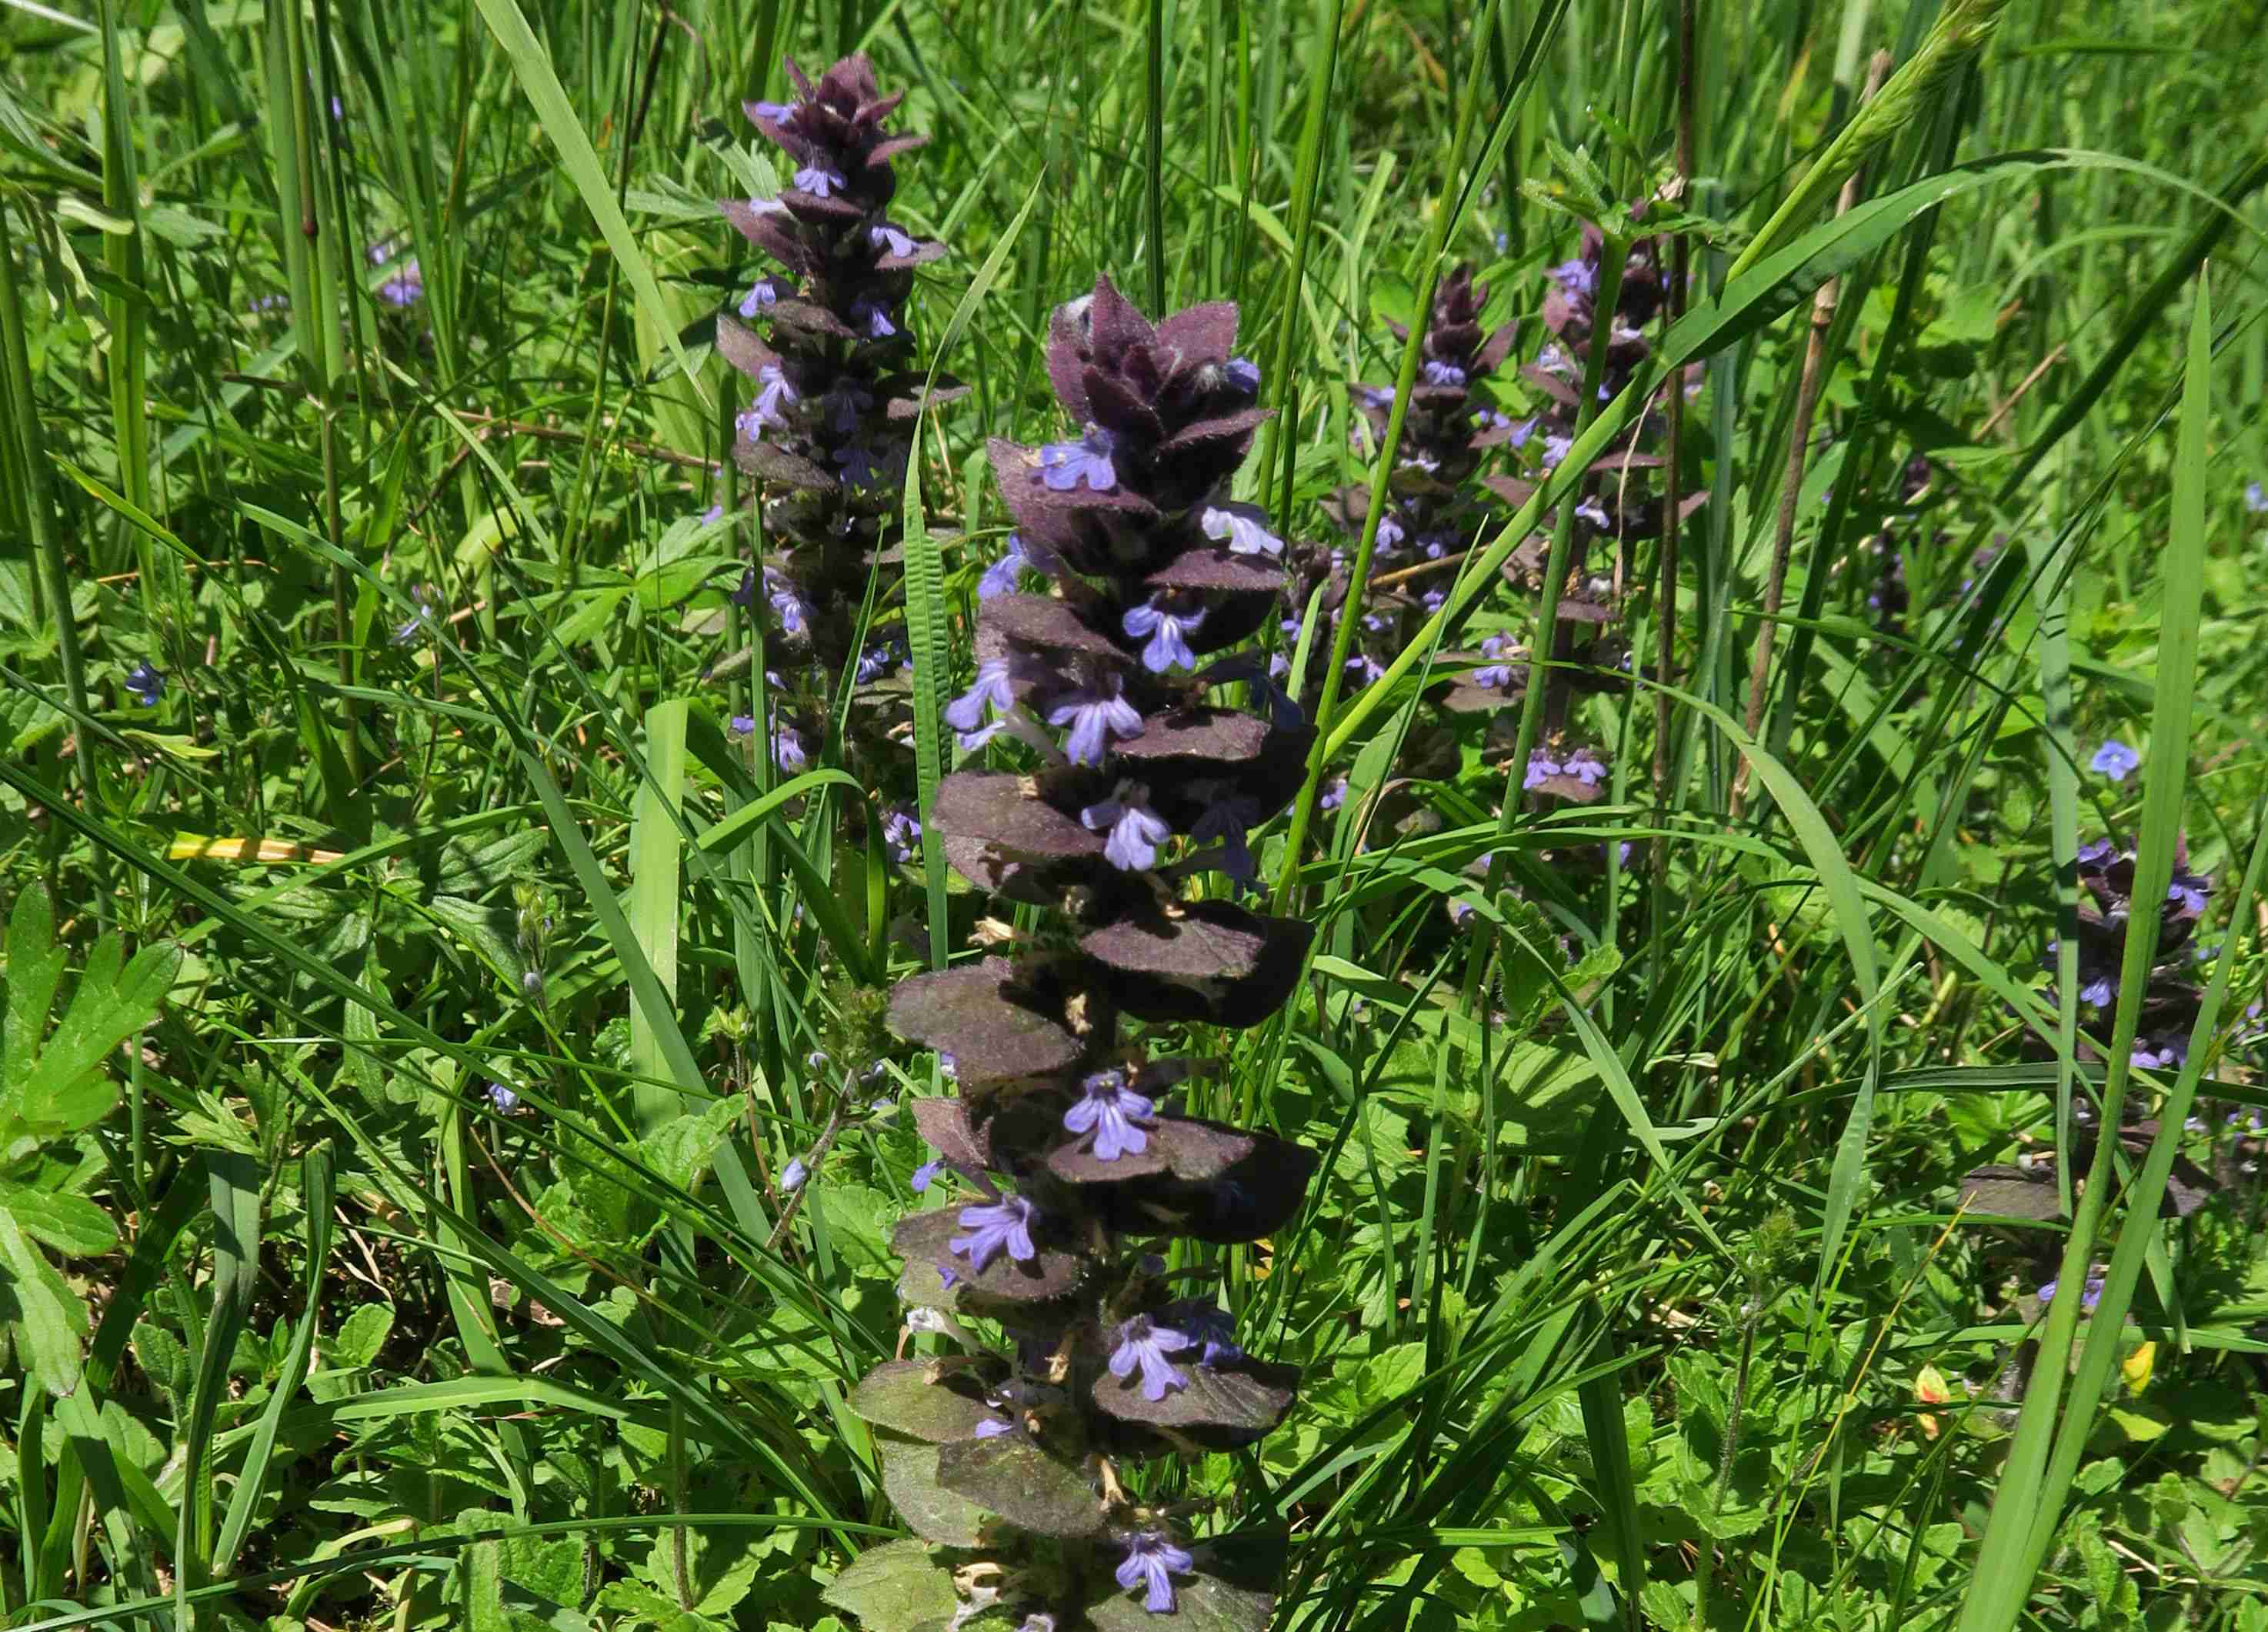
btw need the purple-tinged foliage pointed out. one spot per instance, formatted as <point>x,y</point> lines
<point>1112,690</point>
<point>828,430</point>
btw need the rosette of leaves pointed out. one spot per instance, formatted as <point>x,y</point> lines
<point>826,346</point>
<point>1017,1463</point>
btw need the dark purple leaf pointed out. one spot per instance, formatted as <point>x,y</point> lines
<point>1048,624</point>
<point>1204,333</point>
<point>993,1027</point>
<point>927,1237</point>
<point>1025,1485</point>
<point>1244,1397</point>
<point>939,1400</point>
<point>768,463</point>
<point>910,1478</point>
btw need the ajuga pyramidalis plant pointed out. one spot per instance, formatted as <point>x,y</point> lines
<point>1086,1354</point>
<point>1616,504</point>
<point>1433,512</point>
<point>830,427</point>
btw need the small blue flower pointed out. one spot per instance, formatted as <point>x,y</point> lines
<point>1230,821</point>
<point>2255,498</point>
<point>861,467</point>
<point>1143,1346</point>
<point>1585,767</point>
<point>818,182</point>
<point>846,400</point>
<point>2158,1054</point>
<point>993,1427</point>
<point>1152,1561</point>
<point>406,288</point>
<point>502,1099</point>
<point>1244,527</point>
<point>2115,760</point>
<point>876,315</point>
<point>1210,1325</point>
<point>1334,793</point>
<point>792,1175</point>
<point>763,292</point>
<point>925,1173</point>
<point>1004,575</point>
<point>1555,449</point>
<point>2089,1295</point>
<point>769,408</point>
<point>1063,464</point>
<point>992,691</point>
<point>1167,633</point>
<point>995,1226</point>
<point>773,111</point>
<point>794,613</point>
<point>1577,279</point>
<point>1492,677</point>
<point>1591,511</point>
<point>2191,890</point>
<point>1244,374</point>
<point>1094,717</point>
<point>2103,990</point>
<point>1363,671</point>
<point>1111,1112</point>
<point>742,725</point>
<point>787,750</point>
<point>146,682</point>
<point>1389,531</point>
<point>1541,768</point>
<point>1439,373</point>
<point>2096,855</point>
<point>1136,832</point>
<point>901,834</point>
<point>892,240</point>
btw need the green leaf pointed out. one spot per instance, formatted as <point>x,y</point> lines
<point>46,1317</point>
<point>893,1588</point>
<point>73,1225</point>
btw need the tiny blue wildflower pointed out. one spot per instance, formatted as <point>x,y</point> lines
<point>1136,832</point>
<point>1167,633</point>
<point>1244,527</point>
<point>1063,464</point>
<point>1152,1561</point>
<point>147,683</point>
<point>1143,1346</point>
<point>1094,717</point>
<point>2115,760</point>
<point>792,1175</point>
<point>993,1227</point>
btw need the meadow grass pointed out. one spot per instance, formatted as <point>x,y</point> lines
<point>1647,1280</point>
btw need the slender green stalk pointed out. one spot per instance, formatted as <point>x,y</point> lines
<point>29,456</point>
